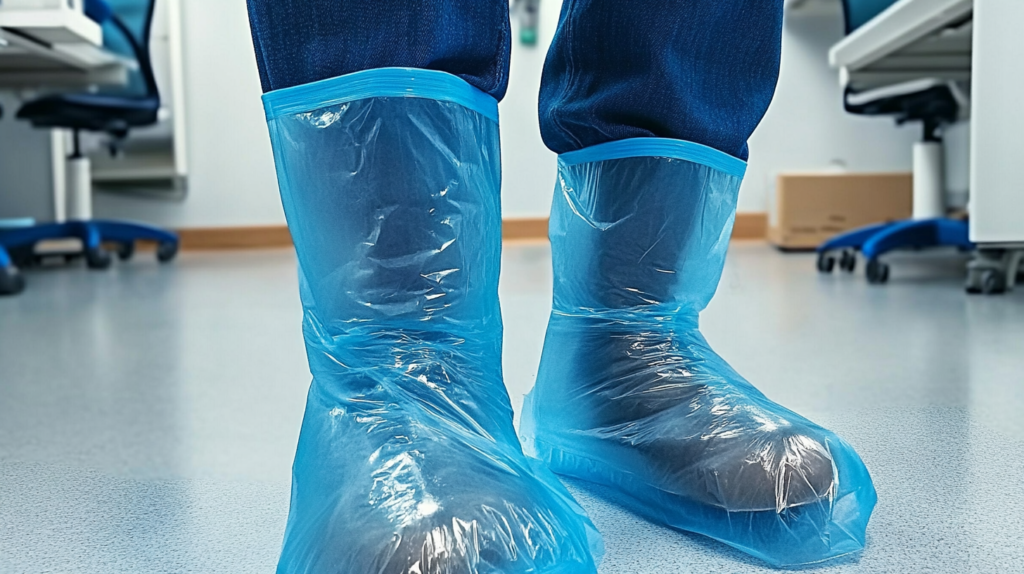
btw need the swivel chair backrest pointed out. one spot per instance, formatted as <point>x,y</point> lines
<point>127,25</point>
<point>860,12</point>
<point>935,105</point>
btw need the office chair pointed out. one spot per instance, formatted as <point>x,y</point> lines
<point>114,113</point>
<point>934,103</point>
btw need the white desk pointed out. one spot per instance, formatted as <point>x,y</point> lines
<point>54,47</point>
<point>911,40</point>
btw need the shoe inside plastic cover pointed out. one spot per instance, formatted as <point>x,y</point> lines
<point>630,395</point>
<point>408,461</point>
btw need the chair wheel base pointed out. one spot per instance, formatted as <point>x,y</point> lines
<point>874,241</point>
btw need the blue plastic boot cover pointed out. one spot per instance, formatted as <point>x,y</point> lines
<point>408,461</point>
<point>630,395</point>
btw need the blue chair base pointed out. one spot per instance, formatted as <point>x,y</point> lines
<point>17,245</point>
<point>874,241</point>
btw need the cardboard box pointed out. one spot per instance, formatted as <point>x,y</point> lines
<point>809,208</point>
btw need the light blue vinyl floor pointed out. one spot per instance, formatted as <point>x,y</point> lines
<point>148,415</point>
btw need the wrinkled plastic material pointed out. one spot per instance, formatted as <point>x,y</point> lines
<point>407,461</point>
<point>630,395</point>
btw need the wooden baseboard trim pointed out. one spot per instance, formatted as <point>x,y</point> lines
<point>525,229</point>
<point>748,226</point>
<point>259,237</point>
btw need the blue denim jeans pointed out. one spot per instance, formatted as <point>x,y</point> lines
<point>697,70</point>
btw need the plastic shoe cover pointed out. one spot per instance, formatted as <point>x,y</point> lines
<point>407,461</point>
<point>629,393</point>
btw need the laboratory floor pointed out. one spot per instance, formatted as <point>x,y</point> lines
<point>148,414</point>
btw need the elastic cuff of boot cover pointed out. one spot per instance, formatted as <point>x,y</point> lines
<point>379,83</point>
<point>658,147</point>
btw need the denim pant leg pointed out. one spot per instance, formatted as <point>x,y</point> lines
<point>697,70</point>
<point>303,41</point>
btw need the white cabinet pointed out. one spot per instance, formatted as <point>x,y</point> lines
<point>997,123</point>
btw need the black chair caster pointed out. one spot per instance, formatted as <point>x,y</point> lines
<point>11,280</point>
<point>878,272</point>
<point>166,251</point>
<point>125,250</point>
<point>826,263</point>
<point>848,261</point>
<point>97,258</point>
<point>988,282</point>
